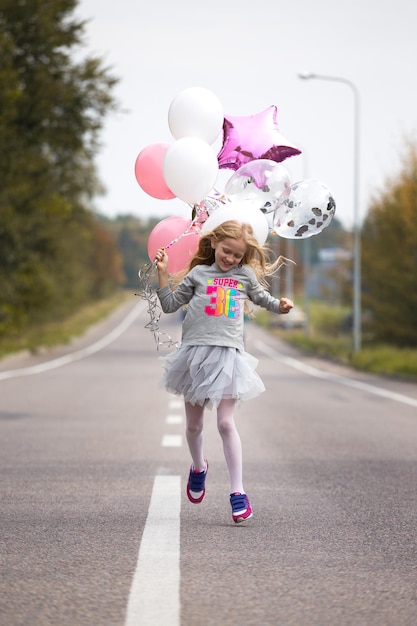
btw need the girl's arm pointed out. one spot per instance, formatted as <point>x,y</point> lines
<point>170,300</point>
<point>263,298</point>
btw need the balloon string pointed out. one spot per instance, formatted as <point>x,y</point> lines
<point>148,293</point>
<point>184,234</point>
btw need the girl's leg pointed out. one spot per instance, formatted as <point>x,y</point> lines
<point>194,433</point>
<point>232,445</point>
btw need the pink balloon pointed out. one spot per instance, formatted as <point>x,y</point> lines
<point>253,137</point>
<point>148,171</point>
<point>179,238</point>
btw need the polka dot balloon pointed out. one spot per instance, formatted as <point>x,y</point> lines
<point>304,210</point>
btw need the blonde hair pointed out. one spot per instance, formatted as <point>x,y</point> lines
<point>256,256</point>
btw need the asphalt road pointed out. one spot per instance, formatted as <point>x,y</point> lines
<point>330,465</point>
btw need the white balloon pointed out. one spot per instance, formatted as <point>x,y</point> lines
<point>245,211</point>
<point>190,169</point>
<point>196,112</point>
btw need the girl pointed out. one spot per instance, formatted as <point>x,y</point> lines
<point>211,366</point>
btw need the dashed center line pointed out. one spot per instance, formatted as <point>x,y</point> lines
<point>171,441</point>
<point>173,419</point>
<point>174,403</point>
<point>154,596</point>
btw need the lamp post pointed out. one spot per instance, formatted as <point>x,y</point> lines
<point>356,217</point>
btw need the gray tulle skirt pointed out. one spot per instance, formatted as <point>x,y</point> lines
<point>205,375</point>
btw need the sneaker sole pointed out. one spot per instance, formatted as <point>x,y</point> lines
<point>195,500</point>
<point>240,519</point>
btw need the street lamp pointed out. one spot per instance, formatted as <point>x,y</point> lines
<point>356,217</point>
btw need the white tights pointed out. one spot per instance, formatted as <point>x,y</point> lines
<point>232,445</point>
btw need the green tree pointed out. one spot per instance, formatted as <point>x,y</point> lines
<point>52,108</point>
<point>389,257</point>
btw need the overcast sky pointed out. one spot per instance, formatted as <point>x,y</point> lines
<point>248,53</point>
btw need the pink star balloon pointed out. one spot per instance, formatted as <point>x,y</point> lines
<point>253,137</point>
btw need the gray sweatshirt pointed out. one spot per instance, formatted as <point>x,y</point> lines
<point>215,314</point>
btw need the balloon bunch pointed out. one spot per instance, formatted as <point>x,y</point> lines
<point>259,192</point>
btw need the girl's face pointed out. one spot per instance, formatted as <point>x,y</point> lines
<point>228,253</point>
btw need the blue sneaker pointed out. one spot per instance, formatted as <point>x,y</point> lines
<point>196,489</point>
<point>241,508</point>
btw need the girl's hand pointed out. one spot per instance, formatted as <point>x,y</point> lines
<point>161,258</point>
<point>285,305</point>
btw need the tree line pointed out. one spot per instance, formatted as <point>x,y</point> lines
<point>389,256</point>
<point>56,254</point>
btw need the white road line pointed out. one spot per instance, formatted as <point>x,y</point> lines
<point>154,597</point>
<point>336,378</point>
<point>171,441</point>
<point>173,419</point>
<point>79,354</point>
<point>174,403</point>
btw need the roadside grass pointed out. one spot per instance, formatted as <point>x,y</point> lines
<point>329,336</point>
<point>63,331</point>
<point>387,360</point>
